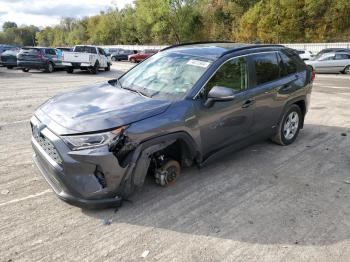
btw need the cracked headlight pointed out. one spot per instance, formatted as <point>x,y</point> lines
<point>79,142</point>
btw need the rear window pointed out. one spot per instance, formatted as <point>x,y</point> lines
<point>341,56</point>
<point>85,49</point>
<point>266,67</point>
<point>292,62</point>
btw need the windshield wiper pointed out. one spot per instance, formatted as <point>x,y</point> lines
<point>131,89</point>
<point>136,91</point>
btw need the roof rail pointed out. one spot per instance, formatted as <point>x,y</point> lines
<point>196,43</point>
<point>249,47</point>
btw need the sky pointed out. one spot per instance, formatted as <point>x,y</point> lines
<point>43,13</point>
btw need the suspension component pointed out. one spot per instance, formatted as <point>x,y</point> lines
<point>168,172</point>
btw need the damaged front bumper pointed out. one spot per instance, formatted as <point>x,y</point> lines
<point>88,178</point>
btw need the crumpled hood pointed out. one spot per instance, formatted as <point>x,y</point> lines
<point>96,108</point>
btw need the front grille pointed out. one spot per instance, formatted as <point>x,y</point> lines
<point>48,147</point>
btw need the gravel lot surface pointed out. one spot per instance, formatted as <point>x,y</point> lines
<point>263,203</point>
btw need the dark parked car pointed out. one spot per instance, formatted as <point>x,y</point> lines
<point>188,104</point>
<point>3,48</point>
<point>141,55</point>
<point>39,58</point>
<point>121,55</point>
<point>8,58</point>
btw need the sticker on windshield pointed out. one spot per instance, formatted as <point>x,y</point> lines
<point>198,63</point>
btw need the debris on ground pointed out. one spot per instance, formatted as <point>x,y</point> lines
<point>343,134</point>
<point>106,221</point>
<point>5,192</point>
<point>145,253</point>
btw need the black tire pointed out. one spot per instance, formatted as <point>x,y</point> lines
<point>49,68</point>
<point>286,137</point>
<point>108,68</point>
<point>95,69</point>
<point>113,59</point>
<point>9,67</point>
<point>346,70</point>
<point>70,70</point>
<point>25,70</point>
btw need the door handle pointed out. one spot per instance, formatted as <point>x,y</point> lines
<point>248,103</point>
<point>286,87</point>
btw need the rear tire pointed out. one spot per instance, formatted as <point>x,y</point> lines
<point>9,67</point>
<point>346,70</point>
<point>49,68</point>
<point>70,70</point>
<point>95,69</point>
<point>25,70</point>
<point>108,68</point>
<point>113,59</point>
<point>289,127</point>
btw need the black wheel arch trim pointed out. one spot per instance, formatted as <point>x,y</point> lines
<point>139,161</point>
<point>293,101</point>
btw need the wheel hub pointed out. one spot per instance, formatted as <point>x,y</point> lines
<point>291,125</point>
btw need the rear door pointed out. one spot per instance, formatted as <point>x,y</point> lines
<point>51,55</point>
<point>341,61</point>
<point>267,82</point>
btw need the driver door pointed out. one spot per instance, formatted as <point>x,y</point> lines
<point>225,123</point>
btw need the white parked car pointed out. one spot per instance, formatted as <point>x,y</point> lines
<point>305,54</point>
<point>338,62</point>
<point>86,57</point>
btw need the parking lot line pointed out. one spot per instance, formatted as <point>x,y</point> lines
<point>25,198</point>
<point>329,86</point>
<point>15,122</point>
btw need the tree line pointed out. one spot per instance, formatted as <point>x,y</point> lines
<point>175,21</point>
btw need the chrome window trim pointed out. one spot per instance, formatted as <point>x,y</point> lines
<point>206,82</point>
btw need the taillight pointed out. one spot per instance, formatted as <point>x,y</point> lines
<point>313,75</point>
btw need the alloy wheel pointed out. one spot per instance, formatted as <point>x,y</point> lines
<point>291,125</point>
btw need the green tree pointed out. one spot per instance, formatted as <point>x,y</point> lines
<point>8,25</point>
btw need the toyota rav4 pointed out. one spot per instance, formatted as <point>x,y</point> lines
<point>188,104</point>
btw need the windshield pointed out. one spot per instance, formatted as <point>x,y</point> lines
<point>166,74</point>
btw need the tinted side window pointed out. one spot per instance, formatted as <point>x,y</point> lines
<point>292,62</point>
<point>290,66</point>
<point>266,67</point>
<point>342,56</point>
<point>50,52</point>
<point>232,74</point>
<point>101,52</point>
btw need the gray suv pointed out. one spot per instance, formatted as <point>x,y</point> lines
<point>39,58</point>
<point>187,104</point>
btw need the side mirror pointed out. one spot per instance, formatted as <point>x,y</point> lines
<point>219,94</point>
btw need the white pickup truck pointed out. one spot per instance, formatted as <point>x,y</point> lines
<point>86,57</point>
